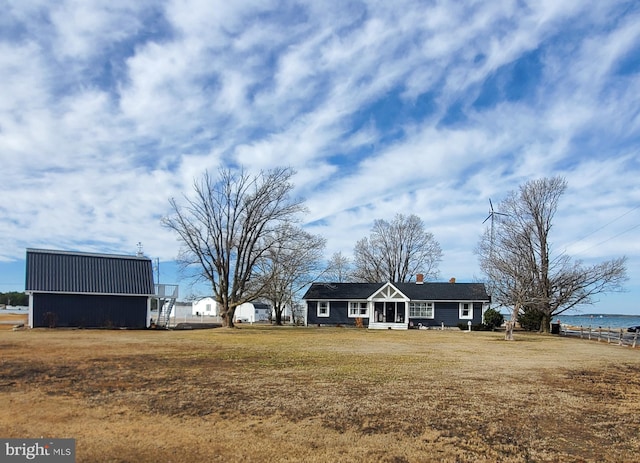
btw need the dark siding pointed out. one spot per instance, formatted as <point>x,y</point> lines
<point>477,313</point>
<point>338,314</point>
<point>448,312</point>
<point>89,311</point>
<point>69,272</point>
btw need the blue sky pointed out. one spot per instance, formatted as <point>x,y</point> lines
<point>109,108</point>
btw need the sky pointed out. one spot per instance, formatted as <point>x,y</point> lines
<point>110,108</point>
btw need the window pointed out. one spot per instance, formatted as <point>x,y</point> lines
<point>323,309</point>
<point>358,309</point>
<point>208,308</point>
<point>421,309</point>
<point>466,311</point>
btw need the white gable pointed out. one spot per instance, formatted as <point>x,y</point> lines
<point>388,291</point>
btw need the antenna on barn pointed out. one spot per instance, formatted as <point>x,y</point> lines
<point>492,214</point>
<point>139,253</point>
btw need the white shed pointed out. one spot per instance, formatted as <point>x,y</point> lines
<point>251,312</point>
<point>206,306</point>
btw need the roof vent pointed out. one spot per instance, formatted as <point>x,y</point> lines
<point>419,279</point>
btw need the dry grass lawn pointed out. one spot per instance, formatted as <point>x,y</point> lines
<point>321,395</point>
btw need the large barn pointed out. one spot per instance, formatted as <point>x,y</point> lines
<point>75,289</point>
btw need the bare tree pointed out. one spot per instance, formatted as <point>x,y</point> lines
<point>291,264</point>
<point>519,263</point>
<point>338,269</point>
<point>228,227</point>
<point>397,250</point>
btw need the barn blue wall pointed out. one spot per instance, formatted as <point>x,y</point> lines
<point>89,311</point>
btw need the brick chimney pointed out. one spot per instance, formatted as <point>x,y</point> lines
<point>419,279</point>
<point>452,280</point>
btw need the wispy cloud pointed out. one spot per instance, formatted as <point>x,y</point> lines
<point>110,108</point>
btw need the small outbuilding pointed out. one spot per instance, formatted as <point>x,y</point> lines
<point>76,289</point>
<point>206,306</point>
<point>252,312</point>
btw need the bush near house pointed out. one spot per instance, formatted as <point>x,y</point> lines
<point>493,319</point>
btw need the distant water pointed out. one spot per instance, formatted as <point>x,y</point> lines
<point>15,310</point>
<point>599,320</point>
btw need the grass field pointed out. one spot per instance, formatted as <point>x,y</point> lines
<point>321,395</point>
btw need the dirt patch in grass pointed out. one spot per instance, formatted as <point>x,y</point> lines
<point>319,395</point>
<point>9,320</point>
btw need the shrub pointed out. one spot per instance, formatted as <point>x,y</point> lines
<point>530,319</point>
<point>493,319</point>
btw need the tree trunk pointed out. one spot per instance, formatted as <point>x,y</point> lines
<point>511,324</point>
<point>227,317</point>
<point>508,332</point>
<point>545,323</point>
<point>278,313</point>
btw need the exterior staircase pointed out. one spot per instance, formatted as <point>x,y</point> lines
<point>166,295</point>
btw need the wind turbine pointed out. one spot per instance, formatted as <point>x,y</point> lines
<point>492,214</point>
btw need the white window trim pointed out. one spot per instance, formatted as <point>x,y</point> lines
<point>359,308</point>
<point>433,309</point>
<point>461,308</point>
<point>323,315</point>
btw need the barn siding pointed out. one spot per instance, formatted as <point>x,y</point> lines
<point>69,272</point>
<point>89,311</point>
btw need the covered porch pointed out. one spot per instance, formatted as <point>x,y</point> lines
<point>390,309</point>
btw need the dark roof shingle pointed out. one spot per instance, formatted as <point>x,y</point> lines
<point>77,272</point>
<point>415,292</point>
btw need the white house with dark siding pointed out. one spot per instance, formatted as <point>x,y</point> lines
<point>77,289</point>
<point>396,305</point>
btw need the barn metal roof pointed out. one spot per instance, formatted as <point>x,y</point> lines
<point>79,272</point>
<point>415,292</point>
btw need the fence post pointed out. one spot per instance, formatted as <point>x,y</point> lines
<point>609,335</point>
<point>589,332</point>
<point>581,331</point>
<point>620,339</point>
<point>635,339</point>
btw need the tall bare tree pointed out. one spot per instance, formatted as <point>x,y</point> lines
<point>228,227</point>
<point>519,263</point>
<point>397,250</point>
<point>338,269</point>
<point>291,264</point>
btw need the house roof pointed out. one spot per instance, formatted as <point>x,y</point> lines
<point>77,272</point>
<point>415,292</point>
